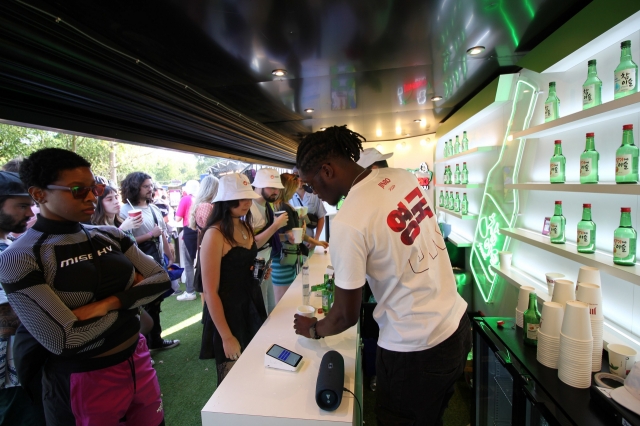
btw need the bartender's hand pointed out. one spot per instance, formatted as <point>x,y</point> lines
<point>231,348</point>
<point>303,324</point>
<point>281,220</point>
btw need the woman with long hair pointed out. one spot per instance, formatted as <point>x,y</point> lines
<point>108,213</point>
<point>283,275</point>
<point>232,296</point>
<point>77,290</point>
<point>202,204</point>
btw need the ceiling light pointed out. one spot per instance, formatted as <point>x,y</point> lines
<point>308,110</point>
<point>279,72</point>
<point>378,132</point>
<point>510,138</point>
<point>379,147</point>
<point>398,130</point>
<point>436,98</point>
<point>323,128</point>
<point>399,146</point>
<point>423,142</point>
<point>475,50</point>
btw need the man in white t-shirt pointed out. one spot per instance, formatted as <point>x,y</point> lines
<point>386,233</point>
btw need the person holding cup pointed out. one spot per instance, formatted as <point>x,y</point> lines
<point>108,213</point>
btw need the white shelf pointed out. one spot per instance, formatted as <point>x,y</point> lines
<point>459,241</point>
<point>602,261</point>
<point>518,278</point>
<point>468,152</point>
<point>462,185</point>
<point>458,215</point>
<point>607,111</point>
<point>595,188</point>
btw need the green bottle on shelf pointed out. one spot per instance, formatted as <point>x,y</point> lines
<point>592,88</point>
<point>446,149</point>
<point>626,75</point>
<point>552,104</point>
<point>464,204</point>
<point>624,240</point>
<point>627,157</point>
<point>557,225</point>
<point>456,175</point>
<point>450,201</point>
<point>465,141</point>
<point>531,321</point>
<point>456,203</point>
<point>464,174</point>
<point>557,164</point>
<point>441,200</point>
<point>449,175</point>
<point>586,231</point>
<point>456,146</point>
<point>589,161</point>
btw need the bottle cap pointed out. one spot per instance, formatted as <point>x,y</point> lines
<point>558,142</point>
<point>627,127</point>
<point>590,135</point>
<point>592,62</point>
<point>464,162</point>
<point>625,210</point>
<point>464,133</point>
<point>586,206</point>
<point>626,43</point>
<point>558,202</point>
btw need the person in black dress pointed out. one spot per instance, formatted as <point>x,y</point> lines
<point>233,298</point>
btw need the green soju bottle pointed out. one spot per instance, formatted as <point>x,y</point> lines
<point>626,75</point>
<point>624,240</point>
<point>456,146</point>
<point>592,88</point>
<point>589,161</point>
<point>558,222</point>
<point>531,321</point>
<point>552,104</point>
<point>441,200</point>
<point>446,149</point>
<point>465,142</point>
<point>586,231</point>
<point>456,203</point>
<point>456,175</point>
<point>464,204</point>
<point>627,157</point>
<point>557,164</point>
<point>450,201</point>
<point>464,174</point>
<point>449,177</point>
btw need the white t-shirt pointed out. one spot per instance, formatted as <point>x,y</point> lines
<point>387,233</point>
<point>259,222</point>
<point>151,215</point>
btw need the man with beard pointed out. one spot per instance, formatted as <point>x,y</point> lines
<point>267,185</point>
<point>15,211</point>
<point>151,238</point>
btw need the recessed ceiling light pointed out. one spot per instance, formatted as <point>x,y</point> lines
<point>475,50</point>
<point>378,132</point>
<point>279,72</point>
<point>323,128</point>
<point>308,110</point>
<point>417,120</point>
<point>436,98</point>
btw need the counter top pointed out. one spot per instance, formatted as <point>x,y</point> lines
<point>252,394</point>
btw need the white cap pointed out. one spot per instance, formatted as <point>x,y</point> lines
<point>370,156</point>
<point>629,395</point>
<point>234,186</point>
<point>191,187</point>
<point>268,178</point>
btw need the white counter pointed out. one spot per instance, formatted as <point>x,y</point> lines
<point>254,395</point>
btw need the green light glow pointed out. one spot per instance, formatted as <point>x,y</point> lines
<point>527,5</point>
<point>512,29</point>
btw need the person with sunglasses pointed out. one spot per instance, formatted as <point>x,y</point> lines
<point>77,289</point>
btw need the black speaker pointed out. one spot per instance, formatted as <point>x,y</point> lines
<point>330,381</point>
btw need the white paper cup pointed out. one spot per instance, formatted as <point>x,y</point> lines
<point>505,259</point>
<point>551,280</point>
<point>523,297</point>
<point>278,213</point>
<point>297,235</point>
<point>589,274</point>
<point>575,323</point>
<point>551,319</point>
<point>592,295</point>
<point>306,311</point>
<point>621,359</point>
<point>563,291</point>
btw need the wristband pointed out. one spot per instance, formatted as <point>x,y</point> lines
<point>150,234</point>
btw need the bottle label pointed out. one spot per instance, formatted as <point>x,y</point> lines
<point>584,237</point>
<point>532,331</point>
<point>585,167</point>
<point>554,230</point>
<point>620,247</point>
<point>588,94</point>
<point>625,80</point>
<point>549,111</point>
<point>623,164</point>
<point>554,169</point>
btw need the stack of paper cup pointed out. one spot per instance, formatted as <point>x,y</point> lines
<point>563,291</point>
<point>591,294</point>
<point>523,303</point>
<point>549,334</point>
<point>589,274</point>
<point>576,346</point>
<point>551,281</point>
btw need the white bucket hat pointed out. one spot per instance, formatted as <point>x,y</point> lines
<point>234,186</point>
<point>268,178</point>
<point>191,187</point>
<point>370,156</point>
<point>629,395</point>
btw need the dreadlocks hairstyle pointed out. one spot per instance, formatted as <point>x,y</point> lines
<point>336,141</point>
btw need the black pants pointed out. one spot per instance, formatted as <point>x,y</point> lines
<point>414,388</point>
<point>154,338</point>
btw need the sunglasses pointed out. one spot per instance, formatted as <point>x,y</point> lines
<point>80,192</point>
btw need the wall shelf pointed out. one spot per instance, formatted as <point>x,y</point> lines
<point>467,152</point>
<point>459,241</point>
<point>602,261</point>
<point>462,185</point>
<point>458,215</point>
<point>607,111</point>
<point>518,278</point>
<point>598,188</point>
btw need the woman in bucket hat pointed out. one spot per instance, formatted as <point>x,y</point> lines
<point>233,298</point>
